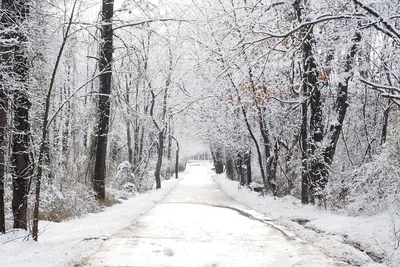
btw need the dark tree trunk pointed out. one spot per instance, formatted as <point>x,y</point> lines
<point>259,154</point>
<point>218,161</point>
<point>21,161</point>
<point>162,129</point>
<point>306,49</point>
<point>304,154</point>
<point>315,161</point>
<point>129,143</point>
<point>264,133</point>
<point>272,164</point>
<point>15,59</point>
<point>105,66</point>
<point>177,164</point>
<point>128,120</point>
<point>136,154</point>
<point>389,105</point>
<point>169,151</point>
<point>5,65</point>
<point>385,124</point>
<point>247,162</point>
<point>160,153</point>
<point>239,169</point>
<point>141,142</point>
<point>312,162</point>
<point>305,175</point>
<point>176,158</point>
<point>230,168</point>
<point>3,127</point>
<point>136,146</point>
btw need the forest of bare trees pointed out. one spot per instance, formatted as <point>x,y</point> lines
<point>300,97</point>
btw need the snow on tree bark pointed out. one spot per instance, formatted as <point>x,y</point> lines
<point>105,66</point>
<point>15,17</point>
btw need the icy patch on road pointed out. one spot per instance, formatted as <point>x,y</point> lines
<point>66,243</point>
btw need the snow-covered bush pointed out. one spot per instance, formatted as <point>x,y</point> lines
<point>372,187</point>
<point>125,183</point>
<point>368,189</point>
<point>69,202</point>
<point>125,180</point>
<point>128,190</point>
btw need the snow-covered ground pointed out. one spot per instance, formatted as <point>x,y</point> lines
<point>336,234</point>
<point>341,237</point>
<point>66,243</point>
<point>197,225</point>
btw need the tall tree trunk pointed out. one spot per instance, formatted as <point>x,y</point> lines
<point>314,161</point>
<point>160,150</point>
<point>304,154</point>
<point>176,158</point>
<point>259,153</point>
<point>6,53</point>
<point>310,88</point>
<point>305,180</point>
<point>21,161</point>
<point>385,122</point>
<point>388,108</point>
<point>230,168</point>
<point>239,168</point>
<point>3,127</point>
<point>264,133</point>
<point>218,159</point>
<point>136,144</point>
<point>247,162</point>
<point>169,151</point>
<point>5,65</point>
<point>162,129</point>
<point>271,166</point>
<point>15,15</point>
<point>160,143</point>
<point>141,141</point>
<point>105,66</point>
<point>177,161</point>
<point>129,142</point>
<point>128,84</point>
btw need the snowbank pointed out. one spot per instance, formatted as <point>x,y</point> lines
<point>66,243</point>
<point>360,241</point>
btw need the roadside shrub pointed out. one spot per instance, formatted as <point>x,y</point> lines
<point>72,201</point>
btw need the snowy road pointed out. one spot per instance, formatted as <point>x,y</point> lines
<point>198,225</point>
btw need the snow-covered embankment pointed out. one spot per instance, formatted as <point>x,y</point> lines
<point>66,243</point>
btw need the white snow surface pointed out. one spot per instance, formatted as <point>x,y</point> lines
<point>324,229</point>
<point>66,243</point>
<point>197,225</point>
